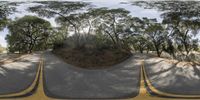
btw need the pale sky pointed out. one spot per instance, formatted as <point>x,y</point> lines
<point>135,11</point>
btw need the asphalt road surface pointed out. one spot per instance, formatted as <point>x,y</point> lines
<point>66,81</point>
<point>123,80</point>
<point>17,76</point>
<point>176,77</point>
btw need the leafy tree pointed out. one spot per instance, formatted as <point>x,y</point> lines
<point>140,43</point>
<point>182,20</point>
<point>5,10</point>
<point>57,37</point>
<point>156,34</point>
<point>111,22</point>
<point>66,12</point>
<point>27,34</point>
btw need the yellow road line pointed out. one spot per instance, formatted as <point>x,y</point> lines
<point>153,89</point>
<point>143,92</point>
<point>39,94</point>
<point>28,90</point>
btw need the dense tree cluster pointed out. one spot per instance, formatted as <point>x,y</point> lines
<point>182,21</point>
<point>27,34</point>
<point>100,28</point>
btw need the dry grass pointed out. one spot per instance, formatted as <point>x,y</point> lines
<point>92,59</point>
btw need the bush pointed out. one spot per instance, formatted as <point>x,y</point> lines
<point>90,51</point>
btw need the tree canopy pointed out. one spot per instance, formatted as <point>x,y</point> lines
<point>5,10</point>
<point>103,27</point>
<point>27,34</point>
<point>182,19</point>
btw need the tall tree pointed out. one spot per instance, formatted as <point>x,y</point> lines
<point>182,20</point>
<point>66,11</point>
<point>111,22</point>
<point>156,34</point>
<point>27,34</point>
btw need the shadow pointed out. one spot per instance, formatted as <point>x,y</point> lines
<point>66,81</point>
<point>175,78</point>
<point>18,76</point>
<point>165,70</point>
<point>196,70</point>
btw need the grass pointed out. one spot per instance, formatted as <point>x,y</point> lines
<point>92,59</point>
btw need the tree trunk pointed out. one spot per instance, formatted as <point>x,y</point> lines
<point>158,52</point>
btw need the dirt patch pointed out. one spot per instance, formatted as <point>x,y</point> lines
<point>92,59</point>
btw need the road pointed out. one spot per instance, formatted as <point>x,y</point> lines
<point>50,78</point>
<point>66,81</point>
<point>18,76</point>
<point>173,77</point>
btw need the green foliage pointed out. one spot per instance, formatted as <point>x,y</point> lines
<point>110,22</point>
<point>52,8</point>
<point>5,10</point>
<point>27,34</point>
<point>182,21</point>
<point>104,28</point>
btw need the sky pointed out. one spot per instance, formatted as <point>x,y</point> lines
<point>134,11</point>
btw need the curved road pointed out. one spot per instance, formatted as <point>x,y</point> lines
<point>18,76</point>
<point>66,81</point>
<point>173,77</point>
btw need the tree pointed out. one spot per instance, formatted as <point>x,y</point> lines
<point>156,34</point>
<point>182,20</point>
<point>111,22</point>
<point>5,10</point>
<point>27,34</point>
<point>140,43</point>
<point>65,11</point>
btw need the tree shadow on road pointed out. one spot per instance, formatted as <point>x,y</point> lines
<point>176,78</point>
<point>196,70</point>
<point>66,81</point>
<point>17,76</point>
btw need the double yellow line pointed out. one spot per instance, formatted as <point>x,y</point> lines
<point>143,92</point>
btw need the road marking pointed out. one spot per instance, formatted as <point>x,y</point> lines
<point>161,93</point>
<point>26,91</point>
<point>143,92</point>
<point>39,94</point>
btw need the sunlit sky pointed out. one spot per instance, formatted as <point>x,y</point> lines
<point>134,11</point>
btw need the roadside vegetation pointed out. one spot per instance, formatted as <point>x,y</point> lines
<point>98,37</point>
<point>2,49</point>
